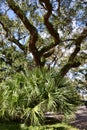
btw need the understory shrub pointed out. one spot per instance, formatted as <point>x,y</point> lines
<point>27,97</point>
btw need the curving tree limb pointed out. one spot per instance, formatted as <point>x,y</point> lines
<point>48,24</point>
<point>71,62</point>
<point>33,31</point>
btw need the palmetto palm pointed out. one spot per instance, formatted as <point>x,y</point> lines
<point>29,96</point>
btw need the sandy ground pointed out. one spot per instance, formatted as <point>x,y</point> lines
<point>81,118</point>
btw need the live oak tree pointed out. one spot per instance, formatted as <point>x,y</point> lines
<point>40,34</point>
<point>46,32</point>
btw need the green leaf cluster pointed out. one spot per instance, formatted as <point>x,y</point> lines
<point>27,97</point>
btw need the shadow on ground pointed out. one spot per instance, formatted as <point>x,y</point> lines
<point>81,118</point>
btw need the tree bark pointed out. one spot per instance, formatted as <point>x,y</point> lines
<point>71,62</point>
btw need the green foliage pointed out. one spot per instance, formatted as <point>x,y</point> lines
<point>60,126</point>
<point>10,126</point>
<point>12,61</point>
<point>16,126</point>
<point>65,18</point>
<point>28,96</point>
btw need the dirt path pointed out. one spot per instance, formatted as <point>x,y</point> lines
<point>81,118</point>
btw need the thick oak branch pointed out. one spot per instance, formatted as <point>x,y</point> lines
<point>19,12</point>
<point>31,29</point>
<point>48,24</point>
<point>71,62</point>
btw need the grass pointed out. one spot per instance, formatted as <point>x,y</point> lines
<point>17,126</point>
